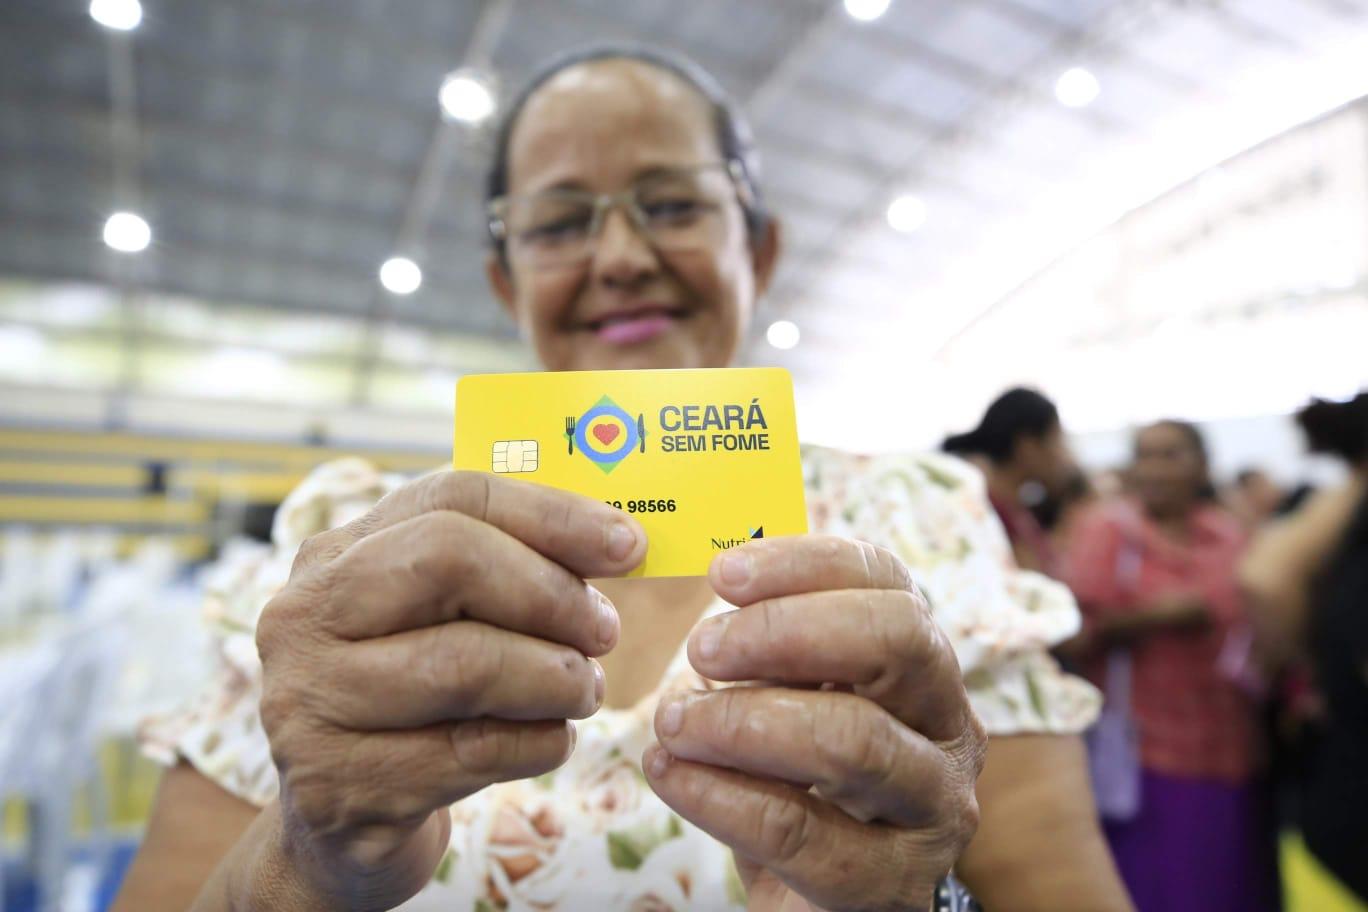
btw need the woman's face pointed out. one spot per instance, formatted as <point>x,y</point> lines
<point>602,127</point>
<point>1169,471</point>
<point>1047,459</point>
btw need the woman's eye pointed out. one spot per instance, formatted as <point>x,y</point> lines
<point>671,208</point>
<point>564,228</point>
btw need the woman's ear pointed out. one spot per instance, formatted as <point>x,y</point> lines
<point>765,252</point>
<point>501,283</point>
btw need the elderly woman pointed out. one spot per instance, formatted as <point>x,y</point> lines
<point>403,738</point>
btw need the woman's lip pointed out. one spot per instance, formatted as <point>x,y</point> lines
<point>634,330</point>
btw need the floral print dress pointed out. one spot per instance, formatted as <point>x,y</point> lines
<point>592,835</point>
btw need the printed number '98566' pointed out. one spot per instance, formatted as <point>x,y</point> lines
<point>644,506</point>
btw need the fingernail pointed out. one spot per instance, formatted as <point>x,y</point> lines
<point>672,716</point>
<point>736,568</point>
<point>607,621</point>
<point>621,540</point>
<point>710,638</point>
<point>657,762</point>
<point>574,736</point>
<point>600,684</point>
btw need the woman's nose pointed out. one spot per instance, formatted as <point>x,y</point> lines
<point>622,253</point>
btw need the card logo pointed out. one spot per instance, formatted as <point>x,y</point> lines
<point>605,434</point>
<point>722,544</point>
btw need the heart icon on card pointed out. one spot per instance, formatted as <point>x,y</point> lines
<point>606,433</point>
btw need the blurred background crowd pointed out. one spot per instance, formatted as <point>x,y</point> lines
<point>1115,252</point>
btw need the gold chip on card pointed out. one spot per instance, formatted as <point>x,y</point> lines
<point>514,456</point>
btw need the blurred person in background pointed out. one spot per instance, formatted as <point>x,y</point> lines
<point>1255,497</point>
<point>1112,482</point>
<point>1060,513</point>
<point>1299,495</point>
<point>403,737</point>
<point>1155,578</point>
<point>1020,443</point>
<point>1307,580</point>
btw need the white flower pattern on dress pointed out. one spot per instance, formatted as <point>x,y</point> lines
<point>591,834</point>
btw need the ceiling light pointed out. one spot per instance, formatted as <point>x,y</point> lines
<point>127,232</point>
<point>466,97</point>
<point>120,15</point>
<point>782,334</point>
<point>1077,88</point>
<point>866,10</point>
<point>400,275</point>
<point>907,213</point>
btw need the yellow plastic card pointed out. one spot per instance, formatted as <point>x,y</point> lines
<point>704,459</point>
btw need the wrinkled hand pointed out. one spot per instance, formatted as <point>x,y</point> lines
<point>432,647</point>
<point>846,780</point>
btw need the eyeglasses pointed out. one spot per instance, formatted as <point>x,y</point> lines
<point>675,210</point>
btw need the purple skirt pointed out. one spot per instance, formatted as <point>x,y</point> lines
<point>1197,846</point>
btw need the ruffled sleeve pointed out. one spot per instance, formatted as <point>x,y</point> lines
<point>933,512</point>
<point>220,733</point>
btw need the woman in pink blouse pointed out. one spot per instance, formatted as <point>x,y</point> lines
<point>1155,578</point>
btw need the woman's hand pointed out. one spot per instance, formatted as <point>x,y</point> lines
<point>1182,611</point>
<point>1173,613</point>
<point>857,795</point>
<point>434,646</point>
